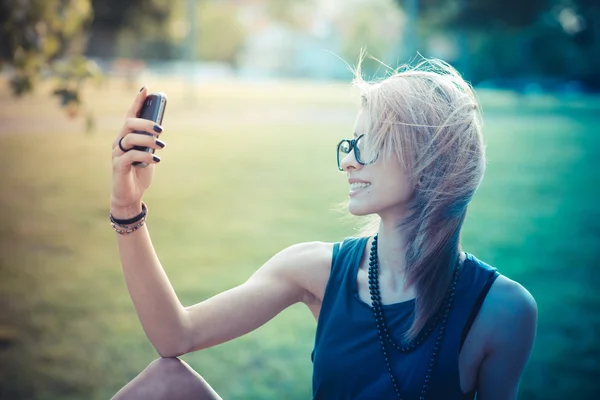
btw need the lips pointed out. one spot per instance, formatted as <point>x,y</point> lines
<point>354,180</point>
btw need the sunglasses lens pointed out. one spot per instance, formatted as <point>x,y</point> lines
<point>342,151</point>
<point>359,149</point>
<point>365,155</point>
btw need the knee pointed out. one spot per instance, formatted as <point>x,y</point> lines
<point>180,380</point>
<point>167,378</point>
<point>167,366</point>
<point>173,370</point>
<point>165,372</point>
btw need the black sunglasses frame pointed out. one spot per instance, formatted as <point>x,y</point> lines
<point>352,143</point>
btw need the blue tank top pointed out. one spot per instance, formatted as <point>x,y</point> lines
<point>347,359</point>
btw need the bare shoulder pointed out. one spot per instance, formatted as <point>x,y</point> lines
<point>318,252</point>
<point>507,323</point>
<point>305,256</point>
<point>307,264</point>
<point>508,312</point>
<point>290,276</point>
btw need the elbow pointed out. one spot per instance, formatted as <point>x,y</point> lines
<point>172,349</point>
<point>177,343</point>
<point>169,353</point>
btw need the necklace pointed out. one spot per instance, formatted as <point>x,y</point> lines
<point>384,335</point>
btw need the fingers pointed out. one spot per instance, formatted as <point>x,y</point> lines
<point>136,132</point>
<point>135,139</point>
<point>137,124</point>
<point>124,161</point>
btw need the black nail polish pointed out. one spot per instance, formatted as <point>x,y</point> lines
<point>160,143</point>
<point>156,158</point>
<point>157,129</point>
<point>142,88</point>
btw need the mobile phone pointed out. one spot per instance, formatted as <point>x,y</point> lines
<point>153,109</point>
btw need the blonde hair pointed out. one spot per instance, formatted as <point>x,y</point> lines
<point>429,118</point>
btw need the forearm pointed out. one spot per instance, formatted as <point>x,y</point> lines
<point>159,310</point>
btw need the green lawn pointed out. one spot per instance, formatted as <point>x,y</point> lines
<point>248,171</point>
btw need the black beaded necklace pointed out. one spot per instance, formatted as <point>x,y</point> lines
<point>384,334</point>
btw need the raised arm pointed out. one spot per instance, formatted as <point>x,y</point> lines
<point>296,274</point>
<point>287,278</point>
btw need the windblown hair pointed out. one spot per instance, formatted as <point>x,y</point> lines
<point>429,118</point>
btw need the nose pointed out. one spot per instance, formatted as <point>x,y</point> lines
<point>350,162</point>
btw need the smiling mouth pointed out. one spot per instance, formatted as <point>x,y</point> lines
<point>358,185</point>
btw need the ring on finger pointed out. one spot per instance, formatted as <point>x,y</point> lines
<point>121,146</point>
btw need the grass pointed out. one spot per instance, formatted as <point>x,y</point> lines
<point>247,171</point>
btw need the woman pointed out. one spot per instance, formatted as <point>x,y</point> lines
<point>402,312</point>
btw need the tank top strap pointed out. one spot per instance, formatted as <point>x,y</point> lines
<point>338,291</point>
<point>343,268</point>
<point>475,281</point>
<point>471,291</point>
<point>345,260</point>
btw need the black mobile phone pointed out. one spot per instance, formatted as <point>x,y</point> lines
<point>153,109</point>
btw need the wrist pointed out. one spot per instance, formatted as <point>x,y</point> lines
<point>126,212</point>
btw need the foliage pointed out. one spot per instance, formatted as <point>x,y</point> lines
<point>45,39</point>
<point>552,38</point>
<point>131,29</point>
<point>482,14</point>
<point>118,14</point>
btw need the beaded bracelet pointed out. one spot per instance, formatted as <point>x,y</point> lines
<point>127,230</point>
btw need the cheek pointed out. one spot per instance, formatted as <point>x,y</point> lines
<point>399,191</point>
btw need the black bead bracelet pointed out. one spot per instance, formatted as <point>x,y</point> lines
<point>133,220</point>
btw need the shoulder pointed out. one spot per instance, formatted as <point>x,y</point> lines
<point>509,301</point>
<point>507,323</point>
<point>305,254</point>
<point>306,265</point>
<point>510,314</point>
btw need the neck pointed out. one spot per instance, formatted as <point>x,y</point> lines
<point>391,251</point>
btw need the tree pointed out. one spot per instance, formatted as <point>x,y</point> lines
<point>512,38</point>
<point>45,39</point>
<point>480,13</point>
<point>140,18</point>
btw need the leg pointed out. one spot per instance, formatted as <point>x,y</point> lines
<point>167,378</point>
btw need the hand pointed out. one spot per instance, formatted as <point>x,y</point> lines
<point>128,182</point>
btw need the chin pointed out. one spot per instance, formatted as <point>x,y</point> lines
<point>362,208</point>
<point>359,210</point>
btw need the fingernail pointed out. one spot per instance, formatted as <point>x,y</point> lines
<point>142,88</point>
<point>157,129</point>
<point>160,143</point>
<point>156,158</point>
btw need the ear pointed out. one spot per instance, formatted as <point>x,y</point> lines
<point>417,184</point>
